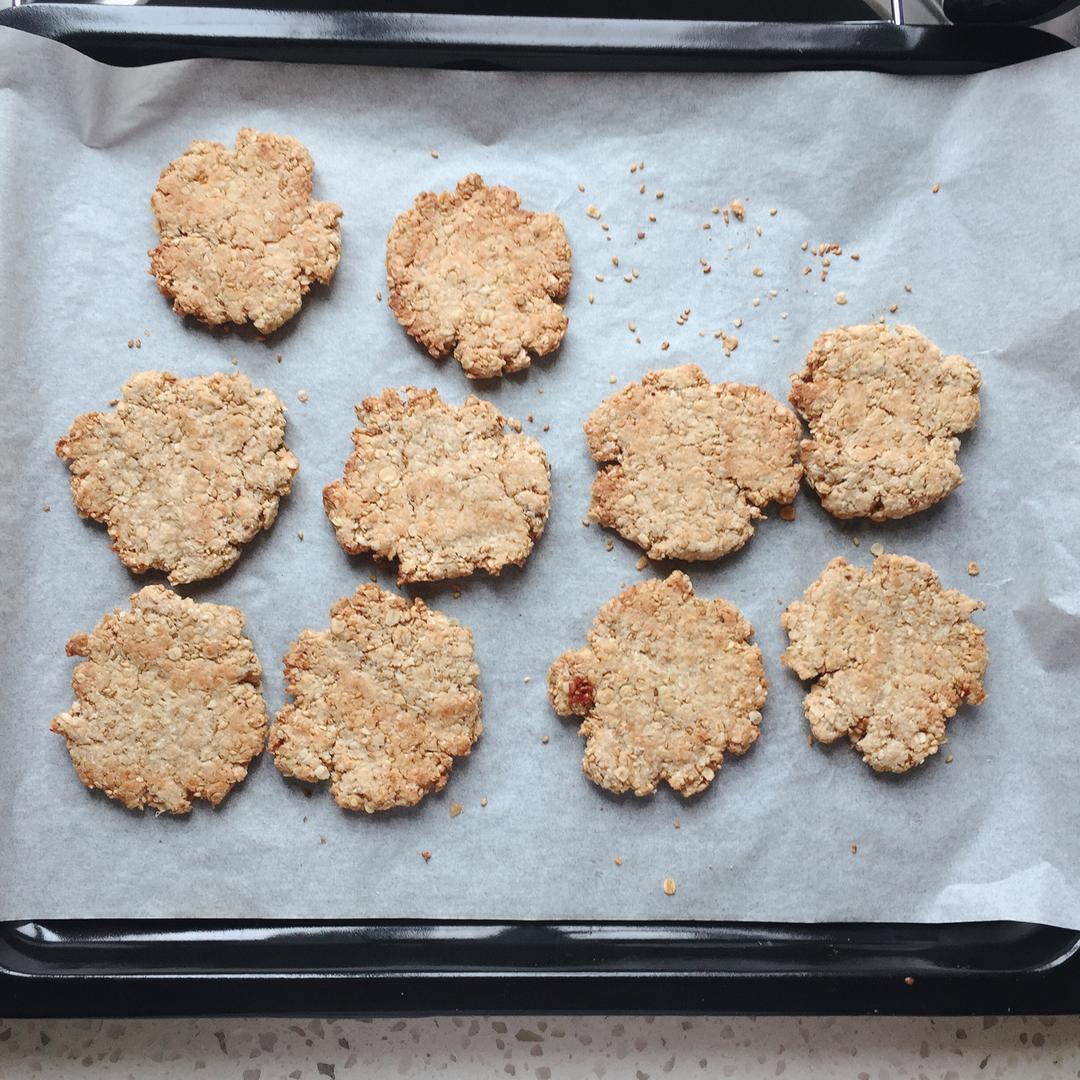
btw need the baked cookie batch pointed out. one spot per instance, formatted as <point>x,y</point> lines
<point>184,472</point>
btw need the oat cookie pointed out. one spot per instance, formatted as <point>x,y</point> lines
<point>668,683</point>
<point>690,464</point>
<point>470,272</point>
<point>168,703</point>
<point>183,472</point>
<point>384,701</point>
<point>894,655</point>
<point>242,241</point>
<point>884,408</point>
<point>444,489</point>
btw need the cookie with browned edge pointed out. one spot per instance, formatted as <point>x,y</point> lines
<point>689,465</point>
<point>471,273</point>
<point>384,700</point>
<point>168,704</point>
<point>893,656</point>
<point>667,684</point>
<point>444,489</point>
<point>183,472</point>
<point>242,240</point>
<point>884,407</point>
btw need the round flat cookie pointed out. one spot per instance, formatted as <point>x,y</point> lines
<point>884,408</point>
<point>444,489</point>
<point>894,655</point>
<point>183,472</point>
<point>470,272</point>
<point>242,241</point>
<point>384,701</point>
<point>689,464</point>
<point>668,683</point>
<point>168,703</point>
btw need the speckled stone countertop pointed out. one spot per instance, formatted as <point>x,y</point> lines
<point>545,1048</point>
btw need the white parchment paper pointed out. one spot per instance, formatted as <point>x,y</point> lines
<point>993,262</point>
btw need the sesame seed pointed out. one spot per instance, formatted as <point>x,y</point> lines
<point>877,550</point>
<point>669,886</point>
<point>592,298</point>
<point>772,211</point>
<point>856,541</point>
<point>599,277</point>
<point>804,245</point>
<point>435,154</point>
<point>614,260</point>
<point>641,190</point>
<point>841,298</point>
<point>855,256</point>
<point>907,288</point>
<point>581,187</point>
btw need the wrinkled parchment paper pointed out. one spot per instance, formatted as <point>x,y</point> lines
<point>993,263</point>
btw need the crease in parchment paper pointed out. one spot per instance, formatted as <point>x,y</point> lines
<point>844,157</point>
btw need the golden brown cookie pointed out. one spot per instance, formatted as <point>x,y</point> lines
<point>168,703</point>
<point>894,656</point>
<point>444,489</point>
<point>470,272</point>
<point>689,464</point>
<point>242,241</point>
<point>884,408</point>
<point>183,472</point>
<point>668,683</point>
<point>384,701</point>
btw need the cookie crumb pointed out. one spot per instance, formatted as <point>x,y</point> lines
<point>46,508</point>
<point>592,211</point>
<point>936,188</point>
<point>300,535</point>
<point>483,800</point>
<point>854,848</point>
<point>641,236</point>
<point>758,272</point>
<point>435,154</point>
<point>373,577</point>
<point>641,563</point>
<point>455,591</point>
<point>599,277</point>
<point>618,861</point>
<point>659,194</point>
<point>527,679</point>
<point>737,323</point>
<point>280,356</point>
<point>856,541</point>
<point>907,288</point>
<point>652,217</point>
<point>841,298</point>
<point>426,856</point>
<point>973,567</point>
<point>605,226</point>
<point>455,809</point>
<point>641,190</point>
<point>787,512</point>
<point>592,298</point>
<point>131,343</point>
<point>609,544</point>
<point>737,209</point>
<point>893,308</point>
<point>545,739</point>
<point>877,550</point>
<point>676,824</point>
<point>772,211</point>
<point>632,327</point>
<point>669,886</point>
<point>909,980</point>
<point>581,187</point>
<point>612,379</point>
<point>756,302</point>
<point>547,427</point>
<point>949,759</point>
<point>302,396</point>
<point>855,256</point>
<point>665,345</point>
<point>804,245</point>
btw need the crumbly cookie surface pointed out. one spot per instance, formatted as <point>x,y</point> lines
<point>183,472</point>
<point>242,241</point>
<point>667,683</point>
<point>383,701</point>
<point>168,703</point>
<point>689,464</point>
<point>470,272</point>
<point>884,408</point>
<point>444,489</point>
<point>894,655</point>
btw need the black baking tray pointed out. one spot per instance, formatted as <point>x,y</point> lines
<point>145,968</point>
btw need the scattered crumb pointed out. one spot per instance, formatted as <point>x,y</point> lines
<point>737,209</point>
<point>592,299</point>
<point>131,343</point>
<point>776,339</point>
<point>804,245</point>
<point>949,759</point>
<point>138,343</point>
<point>706,268</point>
<point>652,217</point>
<point>756,302</point>
<point>716,209</point>
<point>841,298</point>
<point>659,194</point>
<point>706,225</point>
<point>907,288</point>
<point>855,256</point>
<point>772,211</point>
<point>634,274</point>
<point>787,512</point>
<point>378,295</point>
<point>483,800</point>
<point>758,272</point>
<point>46,508</point>
<point>545,739</point>
<point>529,417</point>
<point>610,544</point>
<point>455,809</point>
<point>973,567</point>
<point>628,278</point>
<point>641,236</point>
<point>737,323</point>
<point>665,345</point>
<point>806,270</point>
<point>455,591</point>
<point>936,188</point>
<point>614,260</point>
<point>677,824</point>
<point>528,678</point>
<point>669,886</point>
<point>435,154</point>
<point>642,563</point>
<point>547,427</point>
<point>909,980</point>
<point>280,357</point>
<point>373,577</point>
<point>302,396</point>
<point>618,861</point>
<point>300,535</point>
<point>877,550</point>
<point>893,309</point>
<point>599,277</point>
<point>641,190</point>
<point>581,187</point>
<point>605,226</point>
<point>612,379</point>
<point>426,856</point>
<point>772,294</point>
<point>854,848</point>
<point>592,211</point>
<point>856,541</point>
